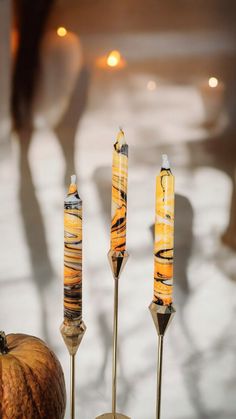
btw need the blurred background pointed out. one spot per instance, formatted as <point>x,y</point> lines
<point>72,72</point>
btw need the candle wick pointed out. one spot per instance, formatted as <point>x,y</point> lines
<point>73,179</point>
<point>121,137</point>
<point>165,162</point>
<point>122,134</point>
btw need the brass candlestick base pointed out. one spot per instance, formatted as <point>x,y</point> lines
<point>117,261</point>
<point>72,333</point>
<point>162,316</point>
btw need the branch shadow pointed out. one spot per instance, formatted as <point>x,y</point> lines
<point>42,270</point>
<point>68,125</point>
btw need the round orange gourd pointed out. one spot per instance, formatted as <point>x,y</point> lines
<point>32,382</point>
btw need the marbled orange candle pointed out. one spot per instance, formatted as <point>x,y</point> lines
<point>73,254</point>
<point>119,193</point>
<point>164,235</point>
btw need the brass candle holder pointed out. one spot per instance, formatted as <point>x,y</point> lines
<point>72,333</point>
<point>162,316</point>
<point>117,261</point>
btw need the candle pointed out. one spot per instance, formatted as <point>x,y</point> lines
<point>164,235</point>
<point>73,254</point>
<point>119,193</point>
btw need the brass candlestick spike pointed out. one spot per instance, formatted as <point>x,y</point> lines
<point>72,333</point>
<point>117,261</point>
<point>162,316</point>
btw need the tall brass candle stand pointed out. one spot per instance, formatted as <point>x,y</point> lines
<point>72,333</point>
<point>162,316</point>
<point>117,261</point>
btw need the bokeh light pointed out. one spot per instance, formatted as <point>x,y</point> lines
<point>213,82</point>
<point>113,58</point>
<point>151,85</point>
<point>61,31</point>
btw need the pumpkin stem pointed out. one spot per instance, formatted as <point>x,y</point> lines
<point>3,344</point>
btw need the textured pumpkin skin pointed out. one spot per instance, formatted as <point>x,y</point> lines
<point>32,382</point>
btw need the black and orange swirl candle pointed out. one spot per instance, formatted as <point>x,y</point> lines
<point>164,235</point>
<point>73,254</point>
<point>119,193</point>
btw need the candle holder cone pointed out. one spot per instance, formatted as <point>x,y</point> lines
<point>162,316</point>
<point>72,333</point>
<point>117,262</point>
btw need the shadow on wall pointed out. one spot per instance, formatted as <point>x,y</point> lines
<point>68,126</point>
<point>34,229</point>
<point>219,152</point>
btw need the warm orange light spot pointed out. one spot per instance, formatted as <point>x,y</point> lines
<point>213,82</point>
<point>113,61</point>
<point>61,31</point>
<point>113,58</point>
<point>151,85</point>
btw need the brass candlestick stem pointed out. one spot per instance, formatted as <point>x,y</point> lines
<point>162,316</point>
<point>115,333</point>
<point>72,386</point>
<point>117,261</point>
<point>72,333</point>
